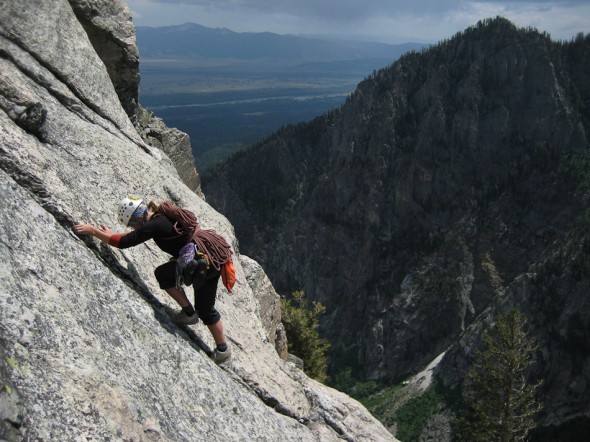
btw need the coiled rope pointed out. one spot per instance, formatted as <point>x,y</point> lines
<point>207,241</point>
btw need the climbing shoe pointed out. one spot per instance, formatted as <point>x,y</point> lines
<point>182,318</point>
<point>220,357</point>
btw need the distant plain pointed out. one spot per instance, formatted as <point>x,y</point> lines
<point>227,102</point>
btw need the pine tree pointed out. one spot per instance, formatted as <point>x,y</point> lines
<point>501,404</point>
<point>301,326</point>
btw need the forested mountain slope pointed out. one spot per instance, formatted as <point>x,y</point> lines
<point>452,181</point>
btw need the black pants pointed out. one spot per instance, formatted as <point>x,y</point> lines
<point>205,290</point>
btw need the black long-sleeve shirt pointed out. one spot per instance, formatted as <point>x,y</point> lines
<point>160,229</point>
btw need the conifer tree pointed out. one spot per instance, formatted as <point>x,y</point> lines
<point>301,322</point>
<point>501,404</point>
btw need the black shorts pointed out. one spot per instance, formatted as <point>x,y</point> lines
<point>205,291</point>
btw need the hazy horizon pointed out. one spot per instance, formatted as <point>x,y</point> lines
<point>386,21</point>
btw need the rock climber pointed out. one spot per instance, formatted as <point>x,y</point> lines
<point>147,223</point>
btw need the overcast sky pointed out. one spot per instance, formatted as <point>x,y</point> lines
<point>390,21</point>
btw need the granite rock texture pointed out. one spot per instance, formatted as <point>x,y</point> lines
<point>88,350</point>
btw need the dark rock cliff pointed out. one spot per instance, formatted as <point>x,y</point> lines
<point>449,182</point>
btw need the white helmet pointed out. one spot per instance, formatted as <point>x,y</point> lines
<point>126,209</point>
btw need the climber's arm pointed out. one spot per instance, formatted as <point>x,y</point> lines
<point>103,233</point>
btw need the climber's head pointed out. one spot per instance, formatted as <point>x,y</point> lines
<point>132,211</point>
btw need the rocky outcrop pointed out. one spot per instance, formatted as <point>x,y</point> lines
<point>174,143</point>
<point>88,350</point>
<point>112,34</point>
<point>269,305</point>
<point>443,181</point>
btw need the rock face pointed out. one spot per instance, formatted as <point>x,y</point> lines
<point>270,305</point>
<point>112,34</point>
<point>88,351</point>
<point>451,181</point>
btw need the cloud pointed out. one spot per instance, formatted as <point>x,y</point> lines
<point>384,20</point>
<point>358,7</point>
<point>344,10</point>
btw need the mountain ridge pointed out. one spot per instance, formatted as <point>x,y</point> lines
<point>197,41</point>
<point>437,191</point>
